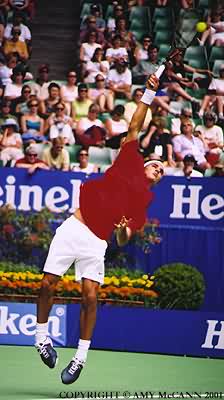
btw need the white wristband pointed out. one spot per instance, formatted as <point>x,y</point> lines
<point>148,96</point>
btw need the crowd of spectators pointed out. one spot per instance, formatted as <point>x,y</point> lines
<point>42,121</point>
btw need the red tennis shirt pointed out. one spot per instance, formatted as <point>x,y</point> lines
<point>122,191</point>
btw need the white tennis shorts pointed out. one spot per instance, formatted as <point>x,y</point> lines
<point>75,243</point>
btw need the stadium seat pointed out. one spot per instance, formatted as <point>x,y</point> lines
<point>73,151</point>
<point>163,12</point>
<point>101,157</point>
<point>109,11</point>
<point>217,53</point>
<point>162,24</point>
<point>141,14</point>
<point>85,10</point>
<point>162,37</point>
<point>163,50</point>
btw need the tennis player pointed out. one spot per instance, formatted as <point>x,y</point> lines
<point>117,201</point>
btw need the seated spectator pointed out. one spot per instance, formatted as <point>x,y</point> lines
<point>32,125</point>
<point>6,112</point>
<point>90,130</point>
<point>117,52</point>
<point>95,11</point>
<point>146,67</point>
<point>188,168</point>
<point>83,164</point>
<point>90,23</point>
<point>186,112</point>
<point>18,20</point>
<point>40,86</point>
<point>187,143</point>
<point>215,96</point>
<point>56,156</point>
<point>141,52</point>
<point>60,124</point>
<point>14,89</point>
<point>97,65</point>
<point>31,160</point>
<point>89,46</point>
<point>157,140</point>
<point>127,37</point>
<point>101,96</point>
<point>15,45</point>
<point>6,70</point>
<point>212,136</point>
<point>131,106</point>
<point>47,106</point>
<point>19,105</point>
<point>118,11</point>
<point>69,91</point>
<point>116,127</point>
<point>10,142</point>
<point>215,31</point>
<point>80,106</point>
<point>120,80</point>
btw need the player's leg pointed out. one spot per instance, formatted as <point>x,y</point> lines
<point>61,255</point>
<point>87,323</point>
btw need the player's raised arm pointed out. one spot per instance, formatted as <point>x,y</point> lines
<point>140,113</point>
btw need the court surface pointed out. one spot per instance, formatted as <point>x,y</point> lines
<point>131,375</point>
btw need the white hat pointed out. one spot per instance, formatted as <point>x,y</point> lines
<point>10,122</point>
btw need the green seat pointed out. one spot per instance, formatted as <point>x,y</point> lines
<point>85,10</point>
<point>109,11</point>
<point>194,52</point>
<point>198,94</point>
<point>163,37</point>
<point>99,156</point>
<point>162,24</point>
<point>198,63</point>
<point>204,4</point>
<point>73,151</point>
<point>163,51</point>
<point>163,12</point>
<point>139,33</point>
<point>217,53</point>
<point>142,14</point>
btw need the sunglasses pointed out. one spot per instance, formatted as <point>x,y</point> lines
<point>27,91</point>
<point>34,105</point>
<point>83,90</point>
<point>84,154</point>
<point>16,32</point>
<point>72,76</point>
<point>100,80</point>
<point>59,108</point>
<point>32,155</point>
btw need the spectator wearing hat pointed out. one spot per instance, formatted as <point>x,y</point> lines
<point>215,96</point>
<point>15,45</point>
<point>188,143</point>
<point>5,111</point>
<point>120,80</point>
<point>56,156</point>
<point>40,86</point>
<point>31,160</point>
<point>188,168</point>
<point>20,5</point>
<point>212,136</point>
<point>10,142</point>
<point>14,89</point>
<point>80,106</point>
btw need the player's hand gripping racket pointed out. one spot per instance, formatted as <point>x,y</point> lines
<point>182,40</point>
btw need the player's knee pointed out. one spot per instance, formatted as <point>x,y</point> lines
<point>89,299</point>
<point>48,285</point>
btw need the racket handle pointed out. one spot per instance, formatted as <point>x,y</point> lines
<point>159,71</point>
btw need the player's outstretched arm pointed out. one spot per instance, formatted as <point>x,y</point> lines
<point>140,113</point>
<point>122,231</point>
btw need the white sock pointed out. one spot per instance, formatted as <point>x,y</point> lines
<point>41,332</point>
<point>83,347</point>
